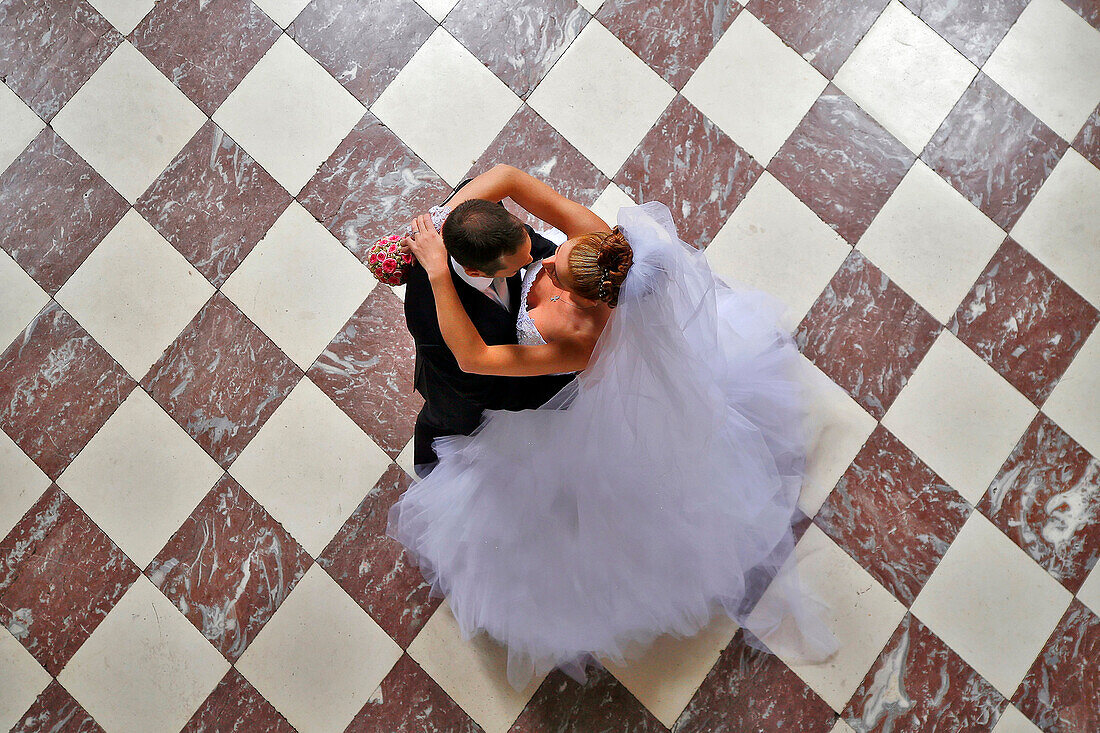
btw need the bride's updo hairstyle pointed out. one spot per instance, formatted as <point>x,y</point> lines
<point>598,264</point>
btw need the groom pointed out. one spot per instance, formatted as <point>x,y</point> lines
<point>486,257</point>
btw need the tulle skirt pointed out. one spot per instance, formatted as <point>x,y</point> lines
<point>586,531</point>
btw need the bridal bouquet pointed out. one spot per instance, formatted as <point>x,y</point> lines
<point>386,260</point>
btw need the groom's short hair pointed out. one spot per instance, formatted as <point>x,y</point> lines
<point>479,234</point>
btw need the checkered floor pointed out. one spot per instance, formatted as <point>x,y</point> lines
<point>205,397</point>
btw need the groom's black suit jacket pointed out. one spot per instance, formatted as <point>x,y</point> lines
<point>453,399</point>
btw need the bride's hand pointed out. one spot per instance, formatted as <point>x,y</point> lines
<point>427,246</point>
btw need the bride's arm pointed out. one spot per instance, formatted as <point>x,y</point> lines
<point>463,339</point>
<point>534,196</point>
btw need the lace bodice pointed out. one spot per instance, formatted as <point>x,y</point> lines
<point>526,332</point>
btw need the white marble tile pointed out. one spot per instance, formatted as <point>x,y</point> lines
<point>931,241</point>
<point>601,97</point>
<point>444,75</point>
<point>299,285</point>
<point>836,428</point>
<point>128,121</point>
<point>1073,403</point>
<point>1061,225</point>
<point>591,6</point>
<point>959,416</point>
<point>134,294</point>
<point>905,75</point>
<point>283,12</point>
<point>310,465</point>
<point>1050,61</point>
<point>21,298</point>
<point>773,242</point>
<point>861,613</point>
<point>123,14</point>
<point>320,656</point>
<point>20,126</point>
<point>139,477</point>
<point>981,571</point>
<point>23,679</point>
<point>1089,593</point>
<point>22,485</point>
<point>289,114</point>
<point>667,676</point>
<point>438,9</point>
<point>754,87</point>
<point>841,726</point>
<point>609,202</point>
<point>145,667</point>
<point>472,672</point>
<point>1013,721</point>
<point>405,459</point>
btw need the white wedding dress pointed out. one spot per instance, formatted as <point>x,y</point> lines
<point>655,490</point>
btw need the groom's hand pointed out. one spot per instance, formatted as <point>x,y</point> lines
<point>427,246</point>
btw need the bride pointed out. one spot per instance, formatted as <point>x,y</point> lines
<point>656,489</point>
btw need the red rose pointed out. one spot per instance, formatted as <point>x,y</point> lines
<point>389,266</point>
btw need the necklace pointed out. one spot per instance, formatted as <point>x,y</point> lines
<point>557,297</point>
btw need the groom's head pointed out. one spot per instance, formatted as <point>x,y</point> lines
<point>486,239</point>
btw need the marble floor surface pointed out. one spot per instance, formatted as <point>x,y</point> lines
<point>205,403</point>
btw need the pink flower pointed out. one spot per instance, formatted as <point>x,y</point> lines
<point>389,266</point>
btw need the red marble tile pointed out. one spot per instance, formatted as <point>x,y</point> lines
<point>1061,692</point>
<point>866,334</point>
<point>993,151</point>
<point>518,42</point>
<point>974,27</point>
<point>364,45</point>
<point>841,163</point>
<point>229,567</point>
<point>825,32</point>
<point>672,38</point>
<point>560,705</point>
<point>376,570</point>
<point>918,684</point>
<point>1024,321</point>
<point>49,48</point>
<point>694,168</point>
<point>367,371</point>
<point>235,705</point>
<point>221,379</point>
<point>1046,499</point>
<point>57,388</point>
<point>1087,9</point>
<point>213,203</point>
<point>54,210</point>
<point>1087,142</point>
<point>893,515</point>
<point>60,575</point>
<point>372,185</point>
<point>55,711</point>
<point>205,48</point>
<point>410,701</point>
<point>529,143</point>
<point>740,693</point>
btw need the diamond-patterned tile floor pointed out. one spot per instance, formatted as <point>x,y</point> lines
<point>205,398</point>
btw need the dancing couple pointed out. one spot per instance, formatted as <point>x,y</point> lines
<point>611,445</point>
